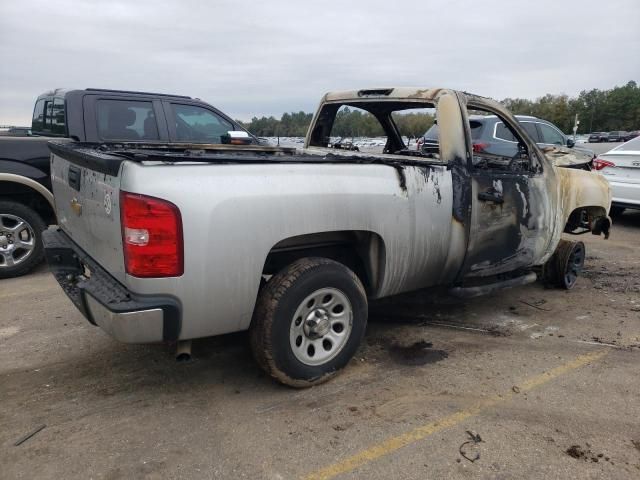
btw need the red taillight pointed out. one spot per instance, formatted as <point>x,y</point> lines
<point>599,163</point>
<point>479,147</point>
<point>151,236</point>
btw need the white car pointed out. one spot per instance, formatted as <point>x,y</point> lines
<point>621,167</point>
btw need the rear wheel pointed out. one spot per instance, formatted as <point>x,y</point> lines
<point>309,321</point>
<point>20,239</point>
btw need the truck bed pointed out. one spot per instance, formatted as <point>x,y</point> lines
<point>240,203</point>
<point>108,158</point>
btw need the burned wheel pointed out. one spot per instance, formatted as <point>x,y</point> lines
<point>564,267</point>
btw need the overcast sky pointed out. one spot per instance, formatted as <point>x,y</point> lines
<point>265,58</point>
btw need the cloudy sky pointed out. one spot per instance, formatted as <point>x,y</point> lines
<point>265,58</point>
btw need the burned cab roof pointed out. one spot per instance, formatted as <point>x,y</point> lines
<point>396,93</point>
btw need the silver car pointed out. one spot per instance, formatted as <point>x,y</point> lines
<point>621,167</point>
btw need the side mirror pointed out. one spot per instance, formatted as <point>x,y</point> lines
<point>570,142</point>
<point>236,137</point>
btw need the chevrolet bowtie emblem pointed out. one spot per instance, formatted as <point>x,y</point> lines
<point>76,206</point>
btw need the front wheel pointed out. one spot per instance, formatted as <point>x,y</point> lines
<point>20,239</point>
<point>309,321</point>
<point>565,265</point>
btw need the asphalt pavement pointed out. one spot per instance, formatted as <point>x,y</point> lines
<point>527,383</point>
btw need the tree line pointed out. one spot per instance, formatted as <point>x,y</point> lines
<point>349,122</point>
<point>598,110</point>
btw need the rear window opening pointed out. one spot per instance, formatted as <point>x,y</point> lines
<point>375,127</point>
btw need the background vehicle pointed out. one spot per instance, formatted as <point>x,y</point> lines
<point>597,137</point>
<point>344,144</point>
<point>158,243</point>
<point>617,136</point>
<point>491,136</point>
<point>621,167</point>
<point>15,131</point>
<point>91,115</point>
<point>632,134</point>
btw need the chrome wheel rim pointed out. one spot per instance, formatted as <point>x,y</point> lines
<point>17,240</point>
<point>321,326</point>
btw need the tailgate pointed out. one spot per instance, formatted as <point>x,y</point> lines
<point>87,204</point>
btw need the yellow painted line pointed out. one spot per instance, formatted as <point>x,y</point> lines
<point>395,443</point>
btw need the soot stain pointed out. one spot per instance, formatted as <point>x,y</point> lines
<point>416,354</point>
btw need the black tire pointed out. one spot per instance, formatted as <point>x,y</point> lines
<point>274,315</point>
<point>564,266</point>
<point>616,211</point>
<point>37,226</point>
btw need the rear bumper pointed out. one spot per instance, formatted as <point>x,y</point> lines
<point>126,316</point>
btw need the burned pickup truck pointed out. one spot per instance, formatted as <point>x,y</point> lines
<point>167,242</point>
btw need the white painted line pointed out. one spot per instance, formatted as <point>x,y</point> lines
<point>457,327</point>
<point>612,345</point>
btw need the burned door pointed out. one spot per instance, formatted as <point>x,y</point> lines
<point>507,224</point>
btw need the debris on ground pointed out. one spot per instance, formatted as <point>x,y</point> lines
<point>26,437</point>
<point>418,353</point>
<point>343,427</point>
<point>580,453</point>
<point>496,331</point>
<point>474,439</point>
<point>515,389</point>
<point>537,304</point>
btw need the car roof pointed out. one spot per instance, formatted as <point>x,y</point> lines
<point>64,92</point>
<point>495,117</point>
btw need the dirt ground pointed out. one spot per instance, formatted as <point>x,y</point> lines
<point>526,383</point>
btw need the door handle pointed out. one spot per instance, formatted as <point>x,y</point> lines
<point>491,196</point>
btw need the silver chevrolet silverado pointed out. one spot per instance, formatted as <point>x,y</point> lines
<point>175,241</point>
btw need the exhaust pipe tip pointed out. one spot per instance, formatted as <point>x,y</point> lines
<point>183,351</point>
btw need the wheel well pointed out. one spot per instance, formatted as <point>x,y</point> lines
<point>361,251</point>
<point>588,218</point>
<point>26,195</point>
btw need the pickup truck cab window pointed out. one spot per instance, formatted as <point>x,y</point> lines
<point>42,113</point>
<point>486,157</point>
<point>126,120</point>
<point>198,125</point>
<point>57,117</point>
<point>391,124</point>
<point>38,116</point>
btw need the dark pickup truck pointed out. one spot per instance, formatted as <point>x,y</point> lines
<point>90,115</point>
